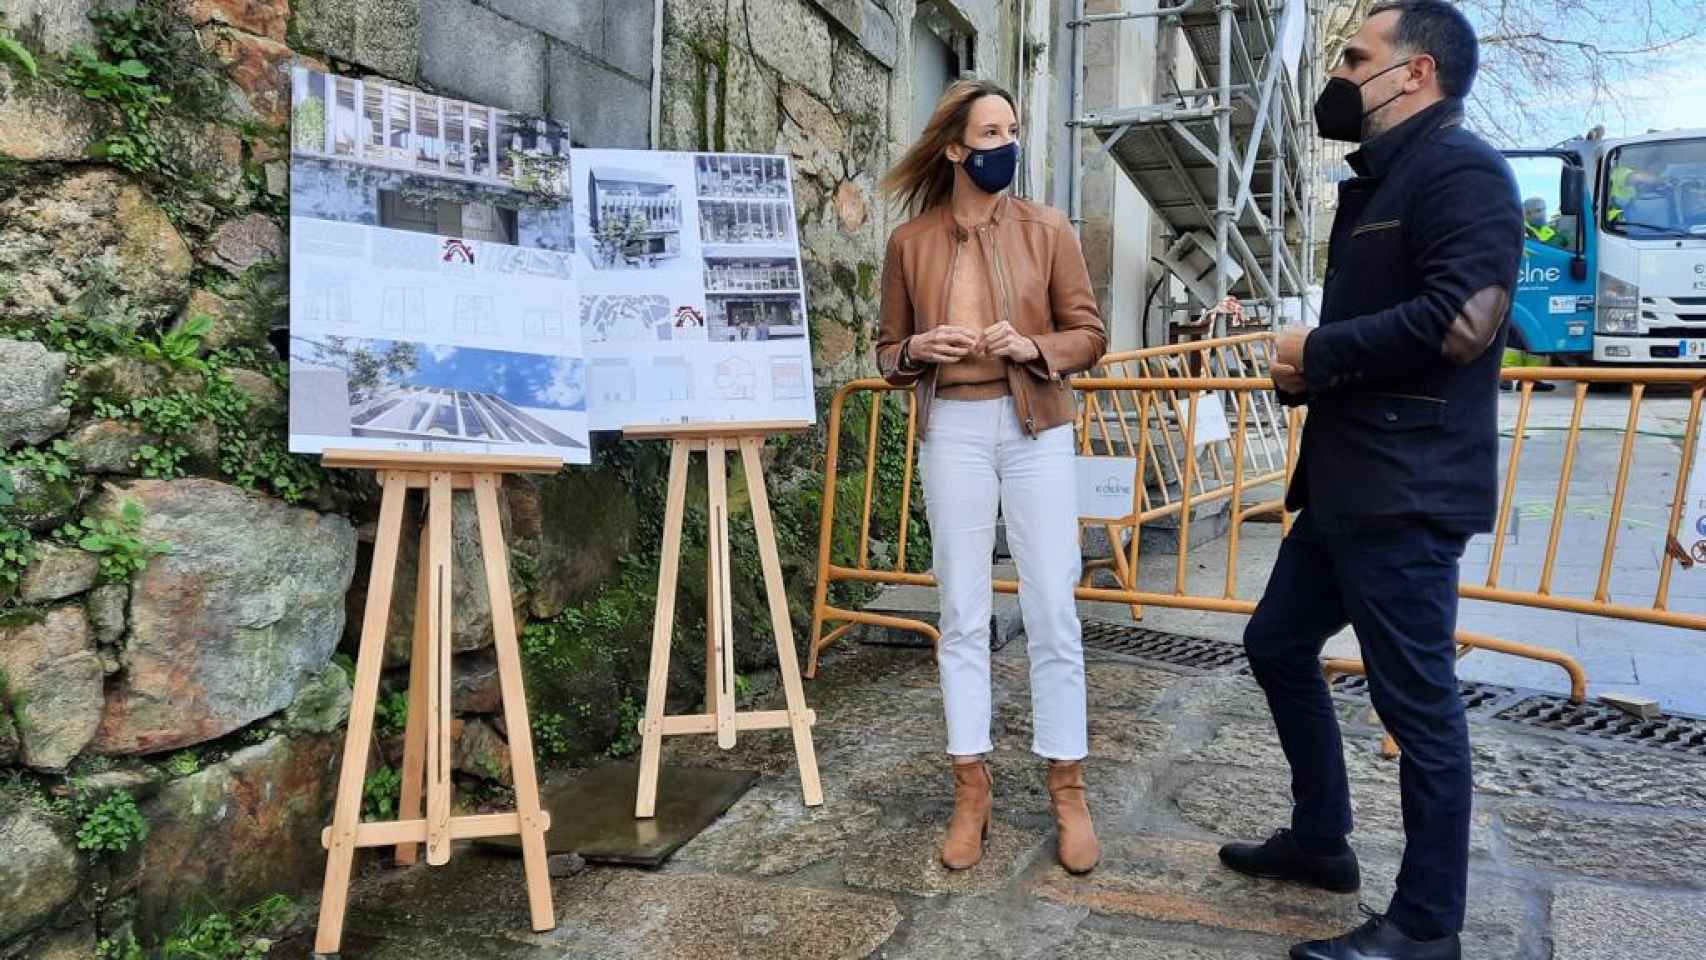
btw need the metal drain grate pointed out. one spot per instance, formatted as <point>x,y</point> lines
<point>1677,734</point>
<point>1175,648</point>
<point>1474,694</point>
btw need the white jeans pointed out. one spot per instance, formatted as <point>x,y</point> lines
<point>975,454</point>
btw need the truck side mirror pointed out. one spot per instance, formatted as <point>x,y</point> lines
<point>1570,191</point>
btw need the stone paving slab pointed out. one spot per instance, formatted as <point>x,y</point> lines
<point>1594,922</point>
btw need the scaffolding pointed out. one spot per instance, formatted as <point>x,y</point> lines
<point>1228,161</point>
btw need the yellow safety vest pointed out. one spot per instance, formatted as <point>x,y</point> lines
<point>1544,233</point>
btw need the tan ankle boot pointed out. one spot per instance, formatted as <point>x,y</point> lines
<point>1079,851</point>
<point>968,829</point>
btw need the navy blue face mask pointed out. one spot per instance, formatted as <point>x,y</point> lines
<point>992,170</point>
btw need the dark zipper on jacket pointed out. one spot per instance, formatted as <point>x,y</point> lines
<point>998,268</point>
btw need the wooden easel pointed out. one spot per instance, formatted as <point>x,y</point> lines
<point>427,741</point>
<point>720,717</point>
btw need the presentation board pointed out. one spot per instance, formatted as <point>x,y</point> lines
<point>464,281</point>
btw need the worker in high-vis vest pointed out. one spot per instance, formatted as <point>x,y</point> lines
<point>1537,226</point>
<point>1631,171</point>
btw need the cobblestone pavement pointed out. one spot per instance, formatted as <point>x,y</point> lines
<point>1583,848</point>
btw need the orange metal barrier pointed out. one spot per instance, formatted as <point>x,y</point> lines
<point>1155,418</point>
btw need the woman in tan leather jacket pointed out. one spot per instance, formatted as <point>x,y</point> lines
<point>987,308</point>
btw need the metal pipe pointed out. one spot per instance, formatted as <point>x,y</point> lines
<point>1075,133</point>
<point>1223,162</point>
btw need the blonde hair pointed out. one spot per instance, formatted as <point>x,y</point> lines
<point>924,177</point>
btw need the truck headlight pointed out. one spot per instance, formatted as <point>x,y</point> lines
<point>1619,306</point>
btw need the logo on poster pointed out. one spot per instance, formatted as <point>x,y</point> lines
<point>457,251</point>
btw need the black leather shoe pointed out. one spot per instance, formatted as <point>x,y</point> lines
<point>1280,858</point>
<point>1378,939</point>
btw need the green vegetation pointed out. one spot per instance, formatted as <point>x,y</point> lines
<point>111,826</point>
<point>183,764</point>
<point>14,53</point>
<point>151,73</point>
<point>391,714</point>
<point>379,794</point>
<point>123,554</point>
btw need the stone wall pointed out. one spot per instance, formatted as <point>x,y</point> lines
<point>177,591</point>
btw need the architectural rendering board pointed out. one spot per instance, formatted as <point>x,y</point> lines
<point>688,268</point>
<point>431,277</point>
<point>432,236</point>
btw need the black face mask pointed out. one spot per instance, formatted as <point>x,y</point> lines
<point>992,170</point>
<point>1338,111</point>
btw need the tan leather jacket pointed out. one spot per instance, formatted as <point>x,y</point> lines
<point>1041,287</point>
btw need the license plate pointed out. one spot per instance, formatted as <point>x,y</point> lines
<point>1693,348</point>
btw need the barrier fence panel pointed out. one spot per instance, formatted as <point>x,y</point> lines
<point>1153,405</point>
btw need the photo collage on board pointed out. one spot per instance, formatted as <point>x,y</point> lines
<point>692,300</point>
<point>431,280</point>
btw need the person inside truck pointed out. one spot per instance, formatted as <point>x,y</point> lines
<point>1632,171</point>
<point>1536,225</point>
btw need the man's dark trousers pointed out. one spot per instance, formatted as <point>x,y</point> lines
<point>1396,584</point>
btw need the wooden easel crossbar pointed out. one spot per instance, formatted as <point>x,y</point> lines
<point>427,764</point>
<point>717,441</point>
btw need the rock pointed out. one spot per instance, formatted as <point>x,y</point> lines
<point>471,611</point>
<point>258,67</point>
<point>1609,923</point>
<point>908,860</point>
<point>79,944</point>
<point>43,123</point>
<point>794,38</point>
<point>861,82</point>
<point>708,915</point>
<point>264,17</point>
<point>122,378</point>
<point>30,380</point>
<point>240,244</point>
<point>202,442</point>
<point>215,153</point>
<point>43,505</point>
<point>382,35</point>
<point>58,25</point>
<point>10,748</point>
<point>850,207</point>
<point>50,236</point>
<point>1607,846</point>
<point>277,175</point>
<point>266,400</point>
<point>58,572</point>
<point>106,612</point>
<point>480,751</point>
<point>38,874</point>
<point>238,830</point>
<point>53,684</point>
<point>1181,881</point>
<point>323,705</point>
<point>572,560</point>
<point>474,686</point>
<point>813,135</point>
<point>565,865</point>
<point>232,325</point>
<point>230,626</point>
<point>109,446</point>
<point>768,832</point>
<point>139,781</point>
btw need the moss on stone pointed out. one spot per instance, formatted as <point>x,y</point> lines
<point>867,280</point>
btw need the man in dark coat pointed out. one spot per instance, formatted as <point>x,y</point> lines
<point>1397,470</point>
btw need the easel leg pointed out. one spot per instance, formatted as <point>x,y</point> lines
<point>438,744</point>
<point>340,853</point>
<point>663,629</point>
<point>717,557</point>
<point>787,658</point>
<point>515,704</point>
<point>414,732</point>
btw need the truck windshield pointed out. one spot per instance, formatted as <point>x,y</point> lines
<point>1656,189</point>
